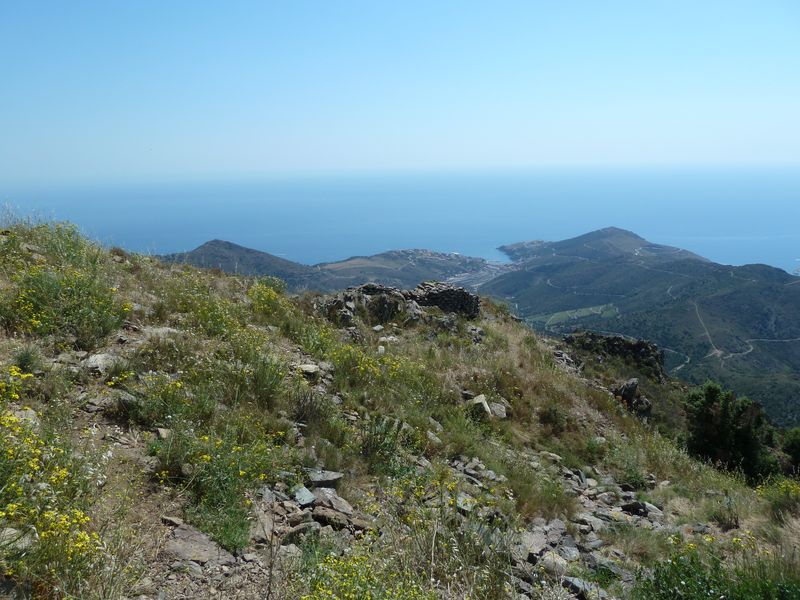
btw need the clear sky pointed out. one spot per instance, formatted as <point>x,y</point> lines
<point>139,90</point>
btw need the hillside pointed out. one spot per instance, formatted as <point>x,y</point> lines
<point>400,268</point>
<point>170,432</point>
<point>232,258</point>
<point>738,325</point>
<point>608,243</point>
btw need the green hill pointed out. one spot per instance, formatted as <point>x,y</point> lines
<point>399,268</point>
<point>738,325</point>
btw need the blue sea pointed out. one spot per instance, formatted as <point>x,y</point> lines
<point>730,216</point>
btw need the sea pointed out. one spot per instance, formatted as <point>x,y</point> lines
<point>731,216</point>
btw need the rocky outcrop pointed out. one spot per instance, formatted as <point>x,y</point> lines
<point>645,356</point>
<point>379,304</point>
<point>446,297</point>
<point>630,394</point>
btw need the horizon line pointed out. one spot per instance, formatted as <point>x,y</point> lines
<point>347,173</point>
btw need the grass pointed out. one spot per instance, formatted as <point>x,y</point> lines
<point>703,570</point>
<point>27,359</point>
<point>645,547</point>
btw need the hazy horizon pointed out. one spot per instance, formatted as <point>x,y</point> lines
<point>322,219</point>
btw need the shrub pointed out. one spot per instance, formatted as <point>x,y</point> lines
<point>309,407</point>
<point>465,554</point>
<point>359,574</point>
<point>381,443</point>
<point>267,298</point>
<point>162,399</point>
<point>553,417</point>
<point>256,377</point>
<point>28,359</point>
<point>208,311</point>
<point>783,496</point>
<point>730,431</point>
<point>725,514</point>
<point>537,494</point>
<point>791,445</point>
<point>628,461</point>
<point>48,539</point>
<point>217,470</point>
<point>684,575</point>
<point>70,302</point>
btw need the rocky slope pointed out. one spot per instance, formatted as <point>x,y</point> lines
<point>175,433</point>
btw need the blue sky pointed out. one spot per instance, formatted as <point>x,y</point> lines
<point>131,91</point>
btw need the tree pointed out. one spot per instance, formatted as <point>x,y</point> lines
<point>730,431</point>
<point>791,445</point>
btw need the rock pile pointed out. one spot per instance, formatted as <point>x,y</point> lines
<point>380,304</point>
<point>446,297</point>
<point>648,357</point>
<point>630,394</point>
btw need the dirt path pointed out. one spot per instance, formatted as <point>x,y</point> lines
<point>714,350</point>
<point>750,347</point>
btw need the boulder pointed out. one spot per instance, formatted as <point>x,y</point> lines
<point>498,410</point>
<point>309,371</point>
<point>189,544</point>
<point>553,564</point>
<point>300,531</point>
<point>323,478</point>
<point>262,527</point>
<point>379,303</point>
<point>29,415</point>
<point>591,521</point>
<point>642,509</point>
<point>628,391</point>
<point>465,503</point>
<point>328,498</point>
<point>433,438</point>
<point>632,397</point>
<point>478,408</point>
<point>584,589</point>
<point>99,364</point>
<point>13,540</point>
<point>303,496</point>
<point>533,543</point>
<point>328,516</point>
<point>448,298</point>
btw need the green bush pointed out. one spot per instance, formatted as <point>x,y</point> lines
<point>381,444</point>
<point>553,417</point>
<point>28,359</point>
<point>71,302</point>
<point>791,445</point>
<point>218,469</point>
<point>732,432</point>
